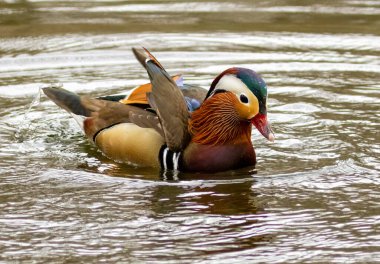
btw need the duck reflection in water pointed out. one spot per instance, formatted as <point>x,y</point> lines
<point>233,204</point>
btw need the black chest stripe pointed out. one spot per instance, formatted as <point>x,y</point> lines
<point>169,160</point>
<point>104,128</point>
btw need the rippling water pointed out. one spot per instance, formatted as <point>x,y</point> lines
<point>315,196</point>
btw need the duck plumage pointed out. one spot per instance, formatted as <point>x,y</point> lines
<point>172,126</point>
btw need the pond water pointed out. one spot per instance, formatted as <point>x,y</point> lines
<point>315,194</point>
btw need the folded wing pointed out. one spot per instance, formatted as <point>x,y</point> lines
<point>170,105</point>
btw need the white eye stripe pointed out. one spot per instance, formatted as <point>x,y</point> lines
<point>231,83</point>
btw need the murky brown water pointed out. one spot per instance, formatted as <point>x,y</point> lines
<point>316,195</point>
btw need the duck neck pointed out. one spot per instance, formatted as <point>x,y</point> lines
<point>217,122</point>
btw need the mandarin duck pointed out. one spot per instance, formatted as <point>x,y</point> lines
<point>172,126</point>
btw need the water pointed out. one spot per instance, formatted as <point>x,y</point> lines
<point>315,196</point>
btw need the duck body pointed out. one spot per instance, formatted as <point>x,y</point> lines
<point>219,158</point>
<point>119,143</point>
<point>171,126</point>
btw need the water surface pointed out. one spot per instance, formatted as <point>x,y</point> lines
<point>315,195</point>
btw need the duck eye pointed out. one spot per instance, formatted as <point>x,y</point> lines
<point>243,98</point>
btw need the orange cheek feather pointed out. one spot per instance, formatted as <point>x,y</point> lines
<point>247,111</point>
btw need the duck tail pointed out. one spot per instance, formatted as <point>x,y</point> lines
<point>67,100</point>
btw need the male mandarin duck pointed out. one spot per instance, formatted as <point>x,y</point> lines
<point>168,125</point>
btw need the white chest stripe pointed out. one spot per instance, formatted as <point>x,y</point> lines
<point>169,160</point>
<point>175,161</point>
<point>164,161</point>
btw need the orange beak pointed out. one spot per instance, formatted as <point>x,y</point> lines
<point>260,121</point>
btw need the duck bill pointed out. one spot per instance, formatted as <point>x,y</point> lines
<point>260,121</point>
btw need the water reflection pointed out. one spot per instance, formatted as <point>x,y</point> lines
<point>220,197</point>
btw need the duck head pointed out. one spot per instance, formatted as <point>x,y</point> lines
<point>251,92</point>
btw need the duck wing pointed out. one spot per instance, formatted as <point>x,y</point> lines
<point>170,105</point>
<point>100,114</point>
<point>189,91</point>
<point>140,55</point>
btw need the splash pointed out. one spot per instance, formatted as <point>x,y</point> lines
<point>25,129</point>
